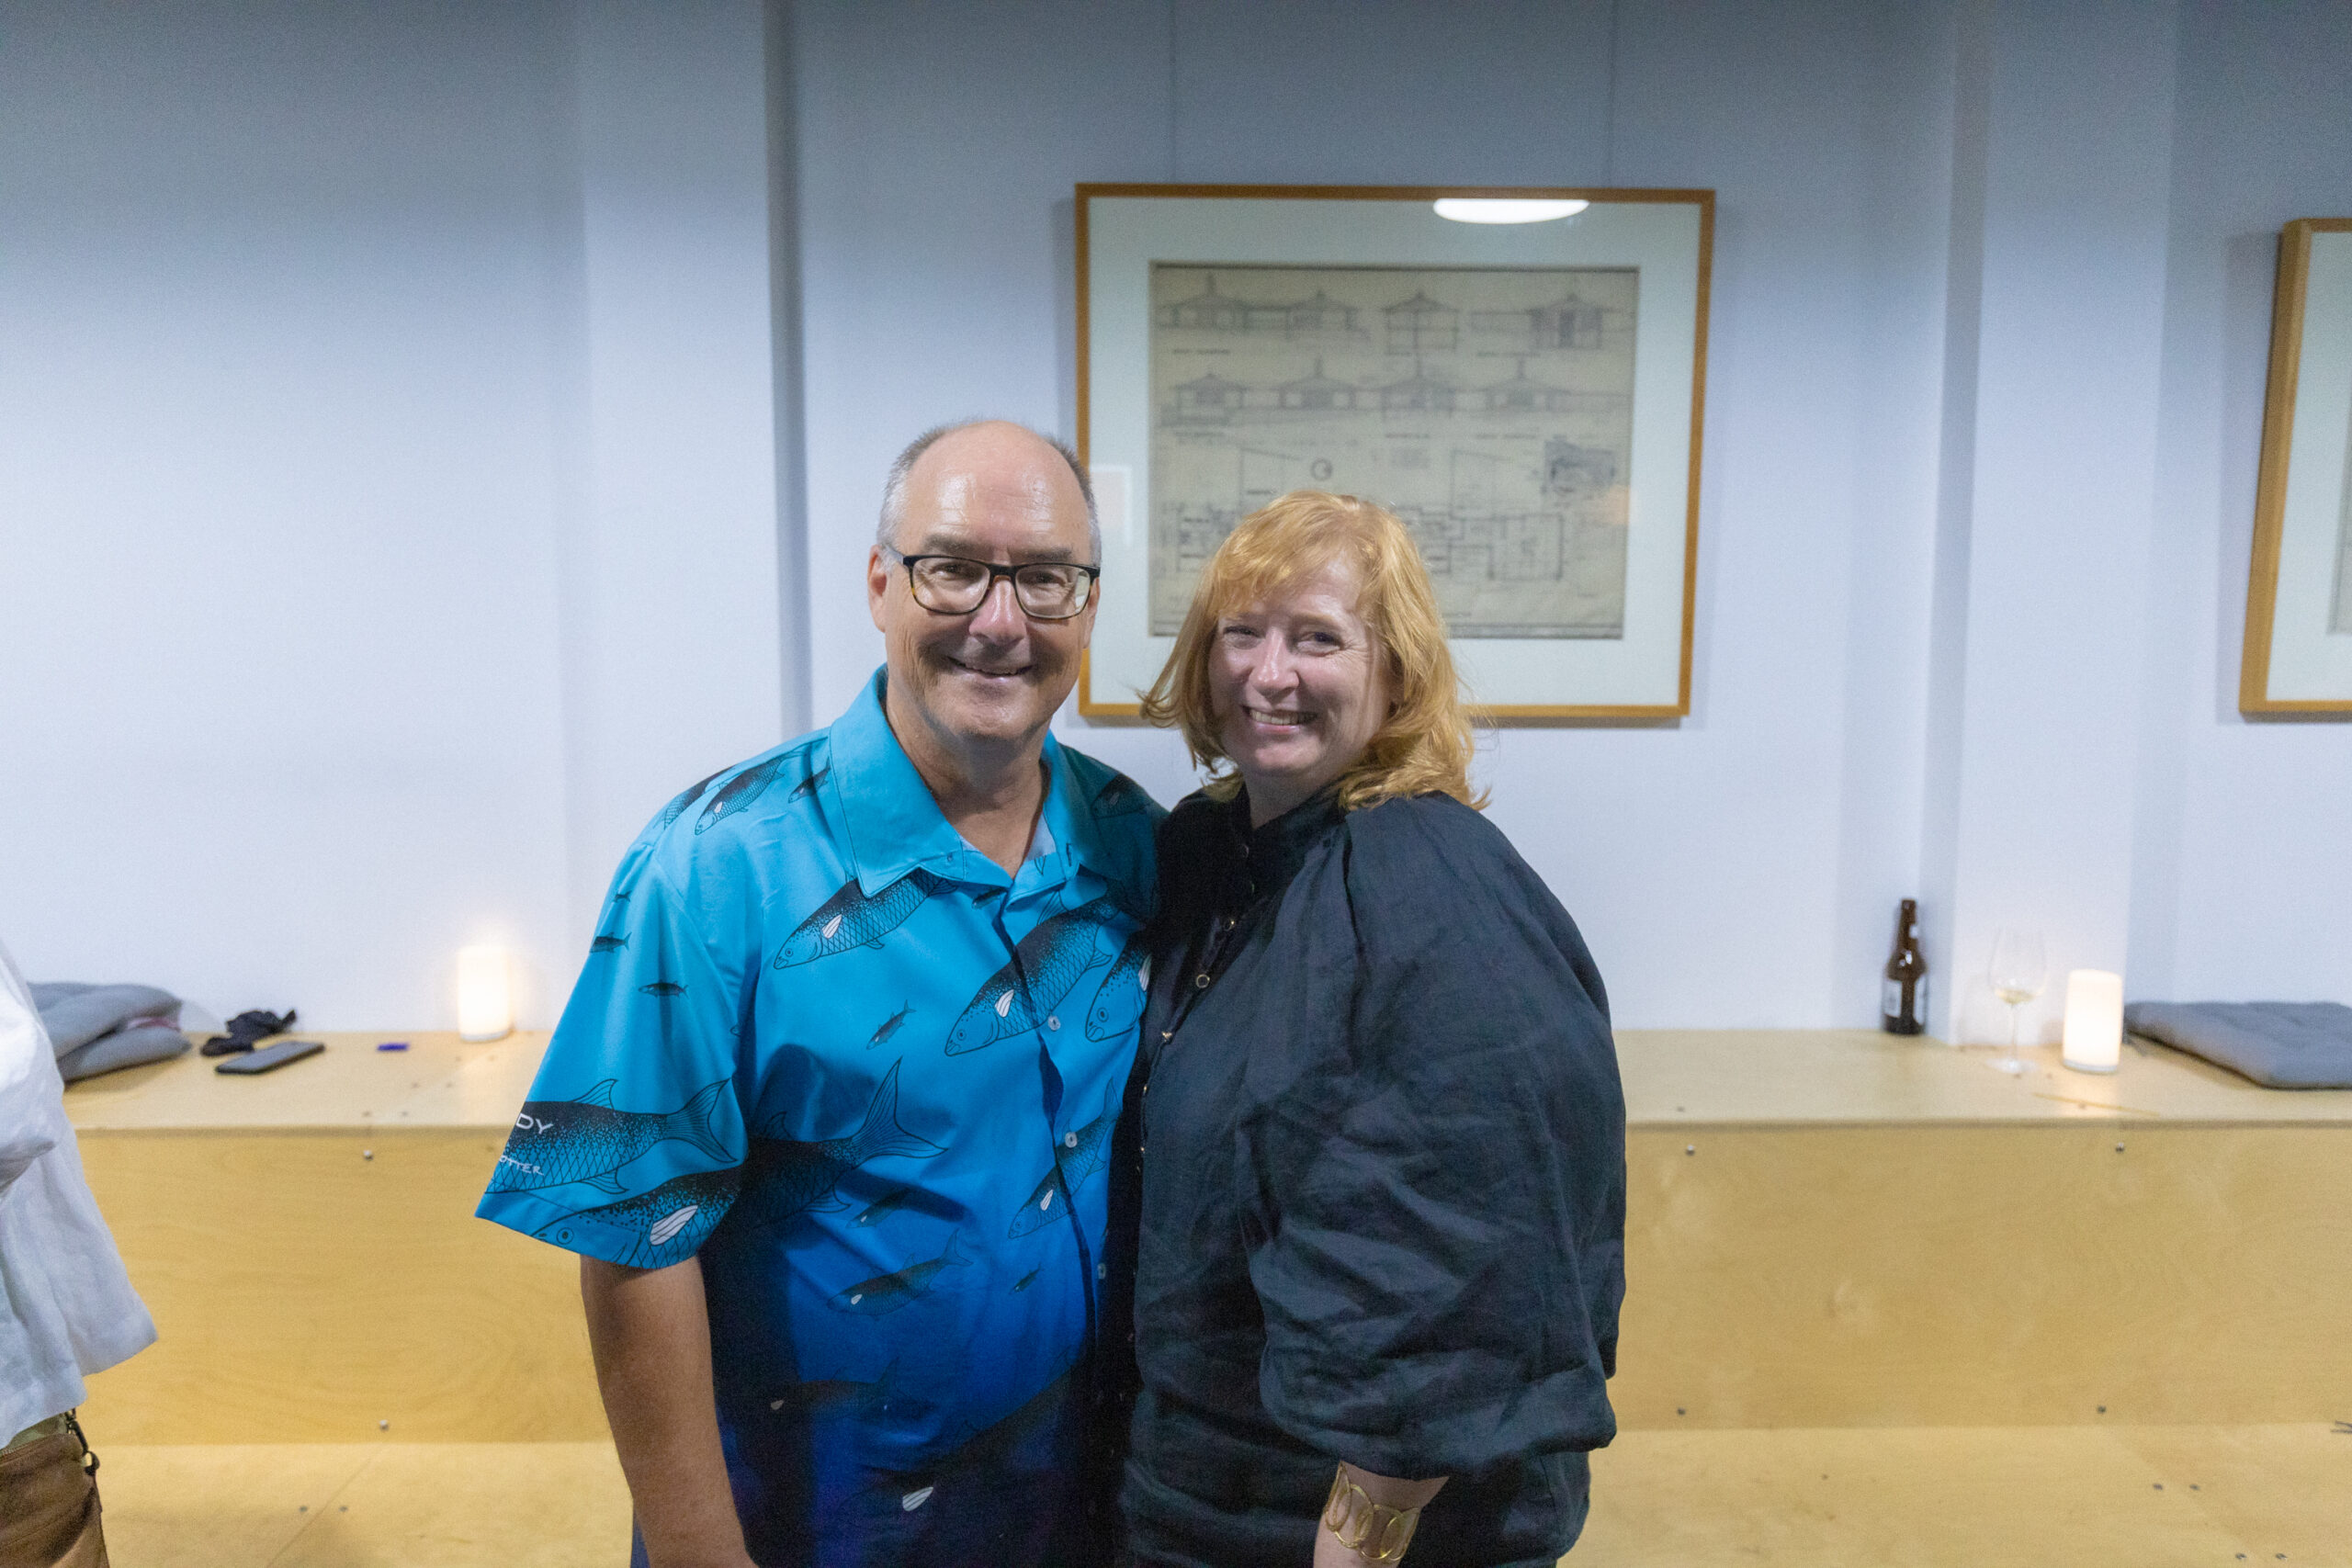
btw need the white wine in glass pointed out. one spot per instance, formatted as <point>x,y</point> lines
<point>2018,973</point>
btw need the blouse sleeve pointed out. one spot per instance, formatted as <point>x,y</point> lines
<point>1439,1211</point>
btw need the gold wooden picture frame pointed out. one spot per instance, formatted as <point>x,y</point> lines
<point>2298,655</point>
<point>1528,396</point>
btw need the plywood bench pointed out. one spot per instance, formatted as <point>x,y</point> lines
<point>1825,1229</point>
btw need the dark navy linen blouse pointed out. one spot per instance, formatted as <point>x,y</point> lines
<point>1372,1179</point>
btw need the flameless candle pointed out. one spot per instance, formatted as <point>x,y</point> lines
<point>2093,1021</point>
<point>485,1006</point>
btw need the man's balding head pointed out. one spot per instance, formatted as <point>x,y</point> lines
<point>998,439</point>
<point>982,683</point>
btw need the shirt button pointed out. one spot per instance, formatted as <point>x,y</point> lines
<point>1200,981</point>
<point>1069,1140</point>
<point>1053,1024</point>
<point>1098,1272</point>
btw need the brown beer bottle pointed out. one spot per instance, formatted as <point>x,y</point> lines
<point>1903,1004</point>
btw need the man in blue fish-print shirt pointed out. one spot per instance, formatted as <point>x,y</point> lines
<point>828,1115</point>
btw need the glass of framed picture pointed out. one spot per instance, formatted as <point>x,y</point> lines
<point>2298,658</point>
<point>1526,396</point>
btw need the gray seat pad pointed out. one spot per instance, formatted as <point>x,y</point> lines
<point>97,1029</point>
<point>2278,1045</point>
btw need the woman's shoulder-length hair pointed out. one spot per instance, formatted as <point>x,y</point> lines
<point>1424,746</point>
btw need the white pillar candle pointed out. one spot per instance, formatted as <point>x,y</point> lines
<point>2093,1021</point>
<point>485,1005</point>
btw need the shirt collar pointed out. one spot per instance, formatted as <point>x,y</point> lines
<point>1276,850</point>
<point>893,825</point>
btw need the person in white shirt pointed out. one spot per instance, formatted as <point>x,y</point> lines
<point>66,1307</point>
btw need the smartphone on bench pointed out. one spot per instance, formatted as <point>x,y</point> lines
<point>272,1057</point>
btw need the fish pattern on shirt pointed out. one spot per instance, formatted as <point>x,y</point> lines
<point>677,807</point>
<point>889,1026</point>
<point>1084,1151</point>
<point>1051,960</point>
<point>1118,1000</point>
<point>816,1394</point>
<point>887,1292</point>
<point>786,1177</point>
<point>1119,796</point>
<point>587,1140</point>
<point>671,1222</point>
<point>849,919</point>
<point>737,793</point>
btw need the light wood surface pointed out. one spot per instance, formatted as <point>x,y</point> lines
<point>1825,1228</point>
<point>438,1081</point>
<point>1673,1078</point>
<point>1969,1497</point>
<point>381,1505</point>
<point>1843,1077</point>
<point>1986,1275</point>
<point>307,1286</point>
<point>1965,1497</point>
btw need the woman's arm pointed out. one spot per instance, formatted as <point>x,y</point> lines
<point>1366,1520</point>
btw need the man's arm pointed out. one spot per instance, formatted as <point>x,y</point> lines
<point>1386,1490</point>
<point>652,1341</point>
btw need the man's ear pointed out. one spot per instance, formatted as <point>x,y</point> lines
<point>877,584</point>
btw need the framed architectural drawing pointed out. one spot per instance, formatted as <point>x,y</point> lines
<point>1525,396</point>
<point>2299,595</point>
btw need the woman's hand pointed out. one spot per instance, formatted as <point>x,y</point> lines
<point>1385,1491</point>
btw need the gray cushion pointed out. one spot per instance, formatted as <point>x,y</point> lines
<point>76,1014</point>
<point>123,1048</point>
<point>2280,1044</point>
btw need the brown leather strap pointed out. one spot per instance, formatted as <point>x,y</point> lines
<point>48,1506</point>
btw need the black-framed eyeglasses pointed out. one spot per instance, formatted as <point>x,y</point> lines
<point>952,585</point>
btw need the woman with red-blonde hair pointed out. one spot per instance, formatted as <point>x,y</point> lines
<point>1372,1165</point>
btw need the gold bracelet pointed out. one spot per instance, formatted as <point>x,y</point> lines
<point>1374,1532</point>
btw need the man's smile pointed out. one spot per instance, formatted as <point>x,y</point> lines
<point>1015,673</point>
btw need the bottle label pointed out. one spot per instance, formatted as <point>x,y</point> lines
<point>1891,1001</point>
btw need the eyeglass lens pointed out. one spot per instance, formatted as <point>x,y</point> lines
<point>1047,590</point>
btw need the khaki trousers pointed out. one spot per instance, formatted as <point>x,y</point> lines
<point>48,1505</point>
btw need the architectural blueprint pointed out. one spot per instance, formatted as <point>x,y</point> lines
<point>1489,408</point>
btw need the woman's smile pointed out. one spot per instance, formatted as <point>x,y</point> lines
<point>1296,681</point>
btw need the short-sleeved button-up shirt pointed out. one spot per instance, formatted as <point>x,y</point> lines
<point>826,1045</point>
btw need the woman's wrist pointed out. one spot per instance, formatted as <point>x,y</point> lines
<point>1369,1517</point>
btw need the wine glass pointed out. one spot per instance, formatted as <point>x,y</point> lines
<point>2016,975</point>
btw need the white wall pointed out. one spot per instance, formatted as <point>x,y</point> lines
<point>326,461</point>
<point>1947,547</point>
<point>2245,838</point>
<point>2067,301</point>
<point>389,507</point>
<point>1715,867</point>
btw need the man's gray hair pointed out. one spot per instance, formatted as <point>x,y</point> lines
<point>894,487</point>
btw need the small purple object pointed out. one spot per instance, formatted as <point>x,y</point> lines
<point>392,1045</point>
